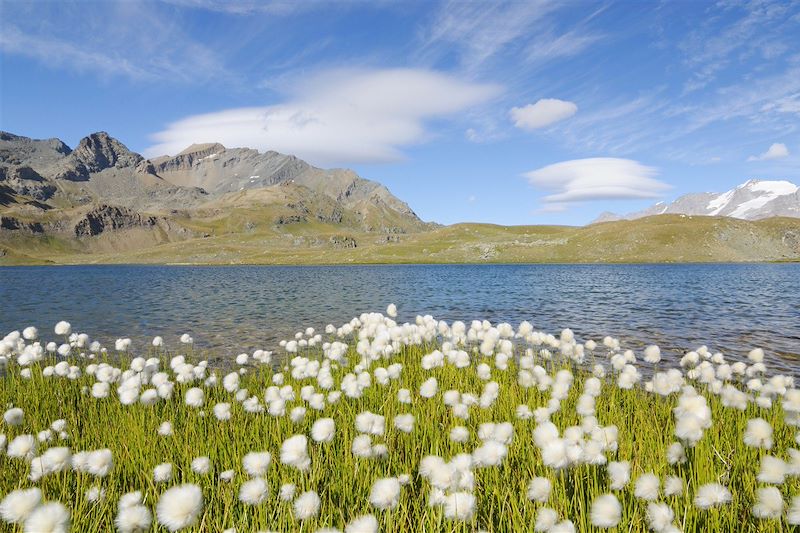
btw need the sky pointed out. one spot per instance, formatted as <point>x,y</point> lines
<point>535,112</point>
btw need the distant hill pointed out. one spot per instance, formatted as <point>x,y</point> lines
<point>752,200</point>
<point>656,239</point>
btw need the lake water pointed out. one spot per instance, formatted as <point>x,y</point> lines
<point>231,309</point>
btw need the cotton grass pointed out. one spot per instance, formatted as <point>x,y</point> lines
<point>418,426</point>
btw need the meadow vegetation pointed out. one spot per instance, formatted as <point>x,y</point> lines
<point>379,426</point>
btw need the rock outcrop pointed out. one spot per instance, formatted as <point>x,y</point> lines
<point>110,218</point>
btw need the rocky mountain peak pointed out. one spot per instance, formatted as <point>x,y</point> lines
<point>99,151</point>
<point>202,149</point>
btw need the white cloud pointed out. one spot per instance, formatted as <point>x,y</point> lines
<point>336,117</point>
<point>543,113</point>
<point>598,178</point>
<point>776,151</point>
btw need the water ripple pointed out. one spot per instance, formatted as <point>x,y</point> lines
<point>731,308</point>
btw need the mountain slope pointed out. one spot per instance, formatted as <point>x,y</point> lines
<point>49,191</point>
<point>221,171</point>
<point>656,239</point>
<point>752,200</point>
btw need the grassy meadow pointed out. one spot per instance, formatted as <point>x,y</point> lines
<point>249,236</point>
<point>561,409</point>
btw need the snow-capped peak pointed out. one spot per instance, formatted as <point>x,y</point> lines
<point>776,188</point>
<point>752,200</point>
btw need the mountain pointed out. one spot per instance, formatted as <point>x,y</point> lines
<point>103,203</point>
<point>103,189</point>
<point>752,200</point>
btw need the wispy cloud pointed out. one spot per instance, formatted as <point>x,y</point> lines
<point>337,117</point>
<point>597,178</point>
<point>478,30</point>
<point>57,52</point>
<point>732,33</point>
<point>247,7</point>
<point>109,41</point>
<point>775,151</point>
<point>483,33</point>
<point>550,47</point>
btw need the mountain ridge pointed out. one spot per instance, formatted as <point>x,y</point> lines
<point>102,170</point>
<point>752,200</point>
<point>208,204</point>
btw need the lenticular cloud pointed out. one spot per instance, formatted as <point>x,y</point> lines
<point>341,116</point>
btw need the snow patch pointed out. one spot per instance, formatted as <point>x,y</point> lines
<point>718,204</point>
<point>777,188</point>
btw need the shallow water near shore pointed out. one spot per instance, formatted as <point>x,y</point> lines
<point>228,310</point>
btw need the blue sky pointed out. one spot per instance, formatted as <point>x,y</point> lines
<point>506,112</point>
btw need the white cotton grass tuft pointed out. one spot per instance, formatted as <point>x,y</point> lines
<point>162,473</point>
<point>323,430</point>
<point>385,493</point>
<point>429,388</point>
<point>459,434</point>
<point>546,519</point>
<point>95,494</point>
<point>294,452</point>
<point>539,489</point>
<point>711,495</point>
<point>660,517</point>
<point>286,492</point>
<point>306,505</point>
<point>201,465</point>
<point>254,491</point>
<point>606,511</point>
<point>565,526</point>
<point>673,486</point>
<point>194,397</point>
<point>769,503</point>
<point>14,416</point>
<point>50,517</point>
<point>652,354</point>
<point>19,504</point>
<point>179,507</point>
<point>647,487</point>
<point>773,470</point>
<point>129,499</point>
<point>133,518</point>
<point>758,434</point>
<point>165,429</point>
<point>793,516</point>
<point>222,411</point>
<point>676,453</point>
<point>22,447</point>
<point>52,461</point>
<point>404,422</point>
<point>362,446</point>
<point>459,506</point>
<point>619,474</point>
<point>362,524</point>
<point>100,462</point>
<point>256,463</point>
